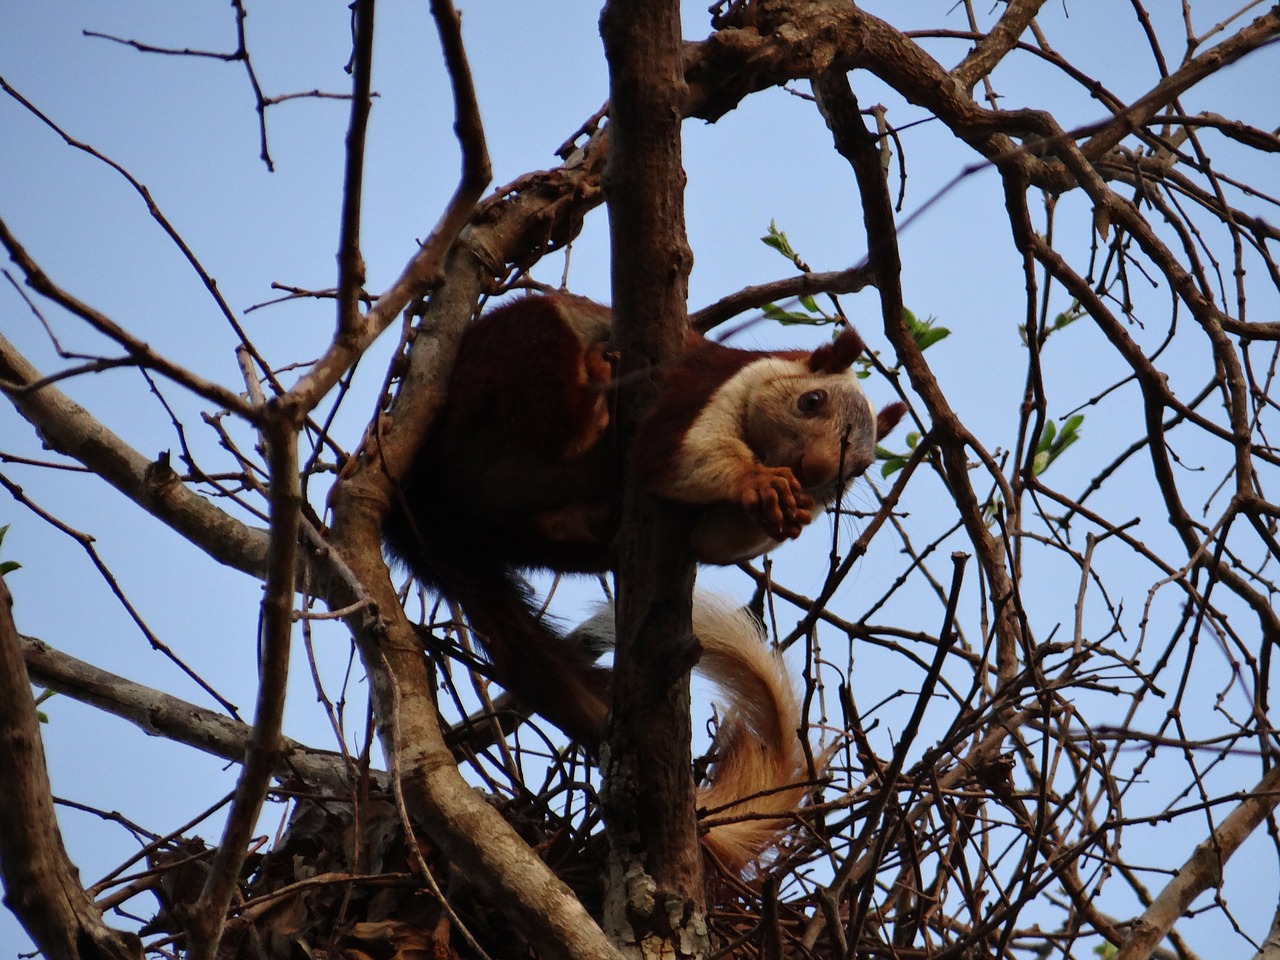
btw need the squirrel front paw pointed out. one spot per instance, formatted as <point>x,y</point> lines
<point>774,498</point>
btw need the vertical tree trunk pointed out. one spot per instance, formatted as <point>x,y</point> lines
<point>654,901</point>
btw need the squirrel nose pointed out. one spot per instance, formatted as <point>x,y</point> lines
<point>813,470</point>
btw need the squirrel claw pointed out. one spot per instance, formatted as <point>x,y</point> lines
<point>773,496</point>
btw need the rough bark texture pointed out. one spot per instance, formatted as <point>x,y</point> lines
<point>654,900</point>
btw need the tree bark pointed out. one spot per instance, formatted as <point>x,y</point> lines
<point>42,885</point>
<point>654,901</point>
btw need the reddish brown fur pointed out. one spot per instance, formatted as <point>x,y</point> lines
<point>888,418</point>
<point>839,354</point>
<point>509,375</point>
<point>687,385</point>
<point>519,472</point>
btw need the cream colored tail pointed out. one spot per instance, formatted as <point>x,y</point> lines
<point>760,776</point>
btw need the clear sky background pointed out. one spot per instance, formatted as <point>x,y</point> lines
<point>187,129</point>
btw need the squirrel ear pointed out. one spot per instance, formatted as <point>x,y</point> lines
<point>838,355</point>
<point>888,418</point>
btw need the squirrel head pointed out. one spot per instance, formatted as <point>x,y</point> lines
<point>811,416</point>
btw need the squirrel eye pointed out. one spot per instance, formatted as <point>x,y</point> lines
<point>812,401</point>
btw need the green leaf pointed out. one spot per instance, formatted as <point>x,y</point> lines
<point>928,338</point>
<point>776,239</point>
<point>778,243</point>
<point>809,304</point>
<point>7,566</point>
<point>992,509</point>
<point>1054,442</point>
<point>892,465</point>
<point>923,332</point>
<point>1046,438</point>
<point>776,313</point>
<point>893,462</point>
<point>1061,446</point>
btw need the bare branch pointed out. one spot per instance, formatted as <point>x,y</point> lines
<point>86,543</point>
<point>423,272</point>
<point>210,284</point>
<point>1258,34</point>
<point>350,262</point>
<point>71,430</point>
<point>803,285</point>
<point>41,883</point>
<point>160,714</point>
<point>168,51</point>
<point>1203,869</point>
<point>263,751</point>
<point>998,41</point>
<point>655,897</point>
<point>142,354</point>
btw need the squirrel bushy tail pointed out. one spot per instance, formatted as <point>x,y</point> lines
<point>760,775</point>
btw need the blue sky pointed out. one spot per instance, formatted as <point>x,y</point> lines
<point>187,129</point>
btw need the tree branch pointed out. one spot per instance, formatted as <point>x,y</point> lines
<point>1261,32</point>
<point>801,285</point>
<point>42,884</point>
<point>71,430</point>
<point>351,272</point>
<point>1203,869</point>
<point>999,40</point>
<point>425,272</point>
<point>264,749</point>
<point>655,901</point>
<point>160,714</point>
<point>142,354</point>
